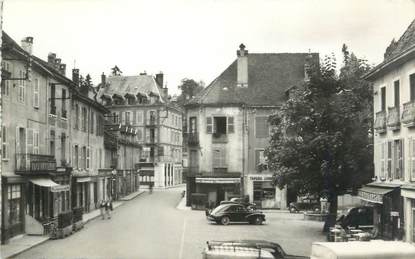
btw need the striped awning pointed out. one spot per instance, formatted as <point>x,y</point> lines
<point>373,194</point>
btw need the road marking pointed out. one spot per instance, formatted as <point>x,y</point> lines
<point>182,240</point>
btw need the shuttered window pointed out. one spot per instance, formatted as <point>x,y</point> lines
<point>411,158</point>
<point>88,153</point>
<point>5,144</point>
<point>219,157</point>
<point>389,157</point>
<point>36,93</point>
<point>140,118</point>
<point>231,127</point>
<point>261,127</point>
<point>209,125</point>
<point>382,160</point>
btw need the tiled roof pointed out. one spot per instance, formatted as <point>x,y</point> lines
<point>269,76</point>
<point>144,85</point>
<point>405,42</point>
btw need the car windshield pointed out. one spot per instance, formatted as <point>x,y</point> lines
<point>220,208</point>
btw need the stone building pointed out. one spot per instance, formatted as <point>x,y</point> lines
<point>141,103</point>
<point>35,129</point>
<point>227,128</point>
<point>392,192</point>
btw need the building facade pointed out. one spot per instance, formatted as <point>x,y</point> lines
<point>392,191</point>
<point>35,125</point>
<point>140,103</point>
<point>227,128</point>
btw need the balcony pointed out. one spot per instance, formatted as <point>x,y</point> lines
<point>408,114</point>
<point>52,110</point>
<point>219,138</point>
<point>64,114</point>
<point>191,139</point>
<point>32,164</point>
<point>151,122</point>
<point>393,122</point>
<point>380,122</point>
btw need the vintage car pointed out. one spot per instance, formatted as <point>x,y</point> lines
<point>378,249</point>
<point>235,212</point>
<point>240,201</point>
<point>356,217</point>
<point>304,204</point>
<point>234,249</point>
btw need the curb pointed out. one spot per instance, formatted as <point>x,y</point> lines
<point>27,248</point>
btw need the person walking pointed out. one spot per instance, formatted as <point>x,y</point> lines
<point>108,208</point>
<point>102,209</point>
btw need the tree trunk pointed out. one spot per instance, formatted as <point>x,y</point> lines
<point>331,217</point>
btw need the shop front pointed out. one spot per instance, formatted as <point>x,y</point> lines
<point>262,192</point>
<point>81,192</point>
<point>388,217</point>
<point>408,194</point>
<point>217,189</point>
<point>13,209</point>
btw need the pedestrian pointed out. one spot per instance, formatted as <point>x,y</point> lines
<point>108,207</point>
<point>102,209</point>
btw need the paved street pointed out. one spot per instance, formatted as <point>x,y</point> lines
<point>150,226</point>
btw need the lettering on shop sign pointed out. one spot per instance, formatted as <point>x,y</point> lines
<point>373,197</point>
<point>260,177</point>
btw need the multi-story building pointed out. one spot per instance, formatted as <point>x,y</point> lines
<point>141,103</point>
<point>35,128</point>
<point>392,193</point>
<point>227,127</point>
<point>87,147</point>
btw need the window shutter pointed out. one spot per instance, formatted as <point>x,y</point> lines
<point>134,118</point>
<point>147,135</point>
<point>401,160</point>
<point>413,160</point>
<point>230,125</point>
<point>209,125</point>
<point>87,157</point>
<point>29,141</point>
<point>36,93</point>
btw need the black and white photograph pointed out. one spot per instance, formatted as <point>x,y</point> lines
<point>211,129</point>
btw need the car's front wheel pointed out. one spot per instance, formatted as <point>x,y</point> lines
<point>225,220</point>
<point>258,221</point>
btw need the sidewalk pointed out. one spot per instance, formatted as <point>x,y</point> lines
<point>182,205</point>
<point>22,243</point>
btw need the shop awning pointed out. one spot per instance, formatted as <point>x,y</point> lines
<point>217,180</point>
<point>373,194</point>
<point>46,182</point>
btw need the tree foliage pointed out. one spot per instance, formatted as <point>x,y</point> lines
<point>321,142</point>
<point>189,89</point>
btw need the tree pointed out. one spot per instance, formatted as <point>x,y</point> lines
<point>321,142</point>
<point>189,89</point>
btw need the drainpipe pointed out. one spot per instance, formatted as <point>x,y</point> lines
<point>243,150</point>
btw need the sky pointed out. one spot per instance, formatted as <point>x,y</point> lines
<point>198,39</point>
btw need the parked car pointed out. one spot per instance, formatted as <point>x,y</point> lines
<point>307,203</point>
<point>240,201</point>
<point>356,217</point>
<point>235,249</point>
<point>234,212</point>
<point>378,249</point>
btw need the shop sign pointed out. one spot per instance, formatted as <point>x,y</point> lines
<point>394,213</point>
<point>60,188</point>
<point>218,180</point>
<point>260,177</point>
<point>372,197</point>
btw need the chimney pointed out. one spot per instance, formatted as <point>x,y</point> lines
<point>27,44</point>
<point>165,93</point>
<point>242,66</point>
<point>57,63</point>
<point>159,79</point>
<point>62,69</point>
<point>103,80</point>
<point>75,76</point>
<point>51,59</point>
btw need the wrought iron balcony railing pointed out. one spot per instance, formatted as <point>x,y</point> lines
<point>408,114</point>
<point>380,122</point>
<point>393,122</point>
<point>191,139</point>
<point>28,164</point>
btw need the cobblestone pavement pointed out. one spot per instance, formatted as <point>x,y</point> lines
<point>150,226</point>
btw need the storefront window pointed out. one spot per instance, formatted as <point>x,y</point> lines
<point>14,204</point>
<point>413,221</point>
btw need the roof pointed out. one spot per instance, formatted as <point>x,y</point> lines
<point>397,53</point>
<point>144,85</point>
<point>269,76</point>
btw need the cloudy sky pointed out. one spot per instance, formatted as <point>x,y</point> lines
<point>198,38</point>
